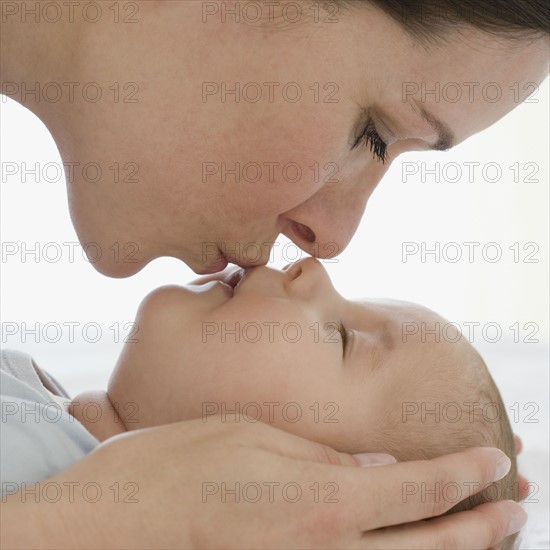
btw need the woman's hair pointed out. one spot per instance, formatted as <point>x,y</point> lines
<point>432,19</point>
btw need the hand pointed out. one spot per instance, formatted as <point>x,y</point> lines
<point>523,484</point>
<point>179,469</point>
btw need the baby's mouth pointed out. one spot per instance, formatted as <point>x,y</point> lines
<point>234,278</point>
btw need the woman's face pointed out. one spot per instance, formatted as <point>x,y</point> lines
<point>245,131</point>
<point>286,349</point>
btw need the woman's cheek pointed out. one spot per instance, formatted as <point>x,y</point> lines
<point>274,179</point>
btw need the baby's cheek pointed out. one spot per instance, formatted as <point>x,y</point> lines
<point>289,380</point>
<point>249,381</point>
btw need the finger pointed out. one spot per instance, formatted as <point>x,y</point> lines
<point>374,459</point>
<point>523,487</point>
<point>294,446</point>
<point>410,491</point>
<point>482,527</point>
<point>518,444</point>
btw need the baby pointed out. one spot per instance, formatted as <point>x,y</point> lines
<point>283,347</point>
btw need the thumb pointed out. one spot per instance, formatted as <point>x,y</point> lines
<point>294,446</point>
<point>374,459</point>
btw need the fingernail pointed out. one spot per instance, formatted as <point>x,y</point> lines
<point>502,467</point>
<point>519,519</point>
<point>374,459</point>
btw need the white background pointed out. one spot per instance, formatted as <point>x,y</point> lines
<point>402,210</point>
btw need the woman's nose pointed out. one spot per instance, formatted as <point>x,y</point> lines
<point>323,225</point>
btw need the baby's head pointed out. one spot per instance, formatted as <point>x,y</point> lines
<point>285,348</point>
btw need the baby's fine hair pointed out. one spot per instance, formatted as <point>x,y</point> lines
<point>475,416</point>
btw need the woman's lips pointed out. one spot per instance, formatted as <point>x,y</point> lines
<point>216,265</point>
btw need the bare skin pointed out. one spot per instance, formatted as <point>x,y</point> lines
<point>181,518</point>
<point>171,133</point>
<point>165,396</point>
<point>178,130</point>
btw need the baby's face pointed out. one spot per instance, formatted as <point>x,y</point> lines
<point>285,348</point>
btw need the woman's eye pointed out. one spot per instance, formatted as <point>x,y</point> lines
<point>344,335</point>
<point>372,139</point>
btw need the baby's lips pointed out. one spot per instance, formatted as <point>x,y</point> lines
<point>234,277</point>
<point>220,276</point>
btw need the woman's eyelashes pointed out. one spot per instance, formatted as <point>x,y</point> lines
<point>370,137</point>
<point>344,335</point>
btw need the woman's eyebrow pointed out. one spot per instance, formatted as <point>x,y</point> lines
<point>446,138</point>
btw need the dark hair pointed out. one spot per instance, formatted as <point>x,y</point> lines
<point>431,19</point>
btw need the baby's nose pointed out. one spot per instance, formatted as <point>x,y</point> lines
<point>306,277</point>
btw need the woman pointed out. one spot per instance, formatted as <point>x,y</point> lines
<point>224,107</point>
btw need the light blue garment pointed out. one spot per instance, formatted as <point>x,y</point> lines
<point>38,438</point>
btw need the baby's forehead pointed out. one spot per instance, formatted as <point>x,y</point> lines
<point>398,310</point>
<point>395,320</point>
<point>423,333</point>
